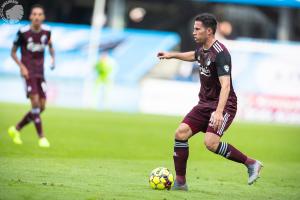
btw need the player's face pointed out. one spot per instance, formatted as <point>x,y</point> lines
<point>200,32</point>
<point>37,16</point>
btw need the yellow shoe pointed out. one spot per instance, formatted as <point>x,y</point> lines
<point>15,135</point>
<point>43,142</point>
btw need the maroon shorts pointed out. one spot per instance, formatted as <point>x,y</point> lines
<point>198,119</point>
<point>36,86</point>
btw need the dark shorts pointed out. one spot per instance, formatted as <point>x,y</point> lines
<point>198,119</point>
<point>36,86</point>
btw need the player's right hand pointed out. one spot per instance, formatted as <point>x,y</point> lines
<point>52,66</point>
<point>24,71</point>
<point>164,55</point>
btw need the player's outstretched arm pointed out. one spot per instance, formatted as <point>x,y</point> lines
<point>23,69</point>
<point>185,56</point>
<point>52,54</point>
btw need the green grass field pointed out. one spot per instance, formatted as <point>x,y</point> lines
<point>102,155</point>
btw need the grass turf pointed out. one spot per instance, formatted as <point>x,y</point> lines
<point>102,155</point>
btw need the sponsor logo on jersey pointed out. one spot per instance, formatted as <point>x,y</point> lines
<point>34,47</point>
<point>204,70</point>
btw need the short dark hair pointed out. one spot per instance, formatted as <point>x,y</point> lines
<point>37,6</point>
<point>208,20</point>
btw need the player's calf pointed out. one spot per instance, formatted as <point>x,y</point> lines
<point>213,143</point>
<point>25,120</point>
<point>230,152</point>
<point>37,121</point>
<point>254,166</point>
<point>180,157</point>
<point>181,152</point>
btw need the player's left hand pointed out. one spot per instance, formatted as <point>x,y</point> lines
<point>217,120</point>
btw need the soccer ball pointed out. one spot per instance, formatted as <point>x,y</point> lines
<point>161,178</point>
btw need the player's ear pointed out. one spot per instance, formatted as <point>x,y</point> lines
<point>209,31</point>
<point>43,16</point>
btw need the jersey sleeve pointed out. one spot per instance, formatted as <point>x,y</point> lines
<point>49,36</point>
<point>18,39</point>
<point>223,63</point>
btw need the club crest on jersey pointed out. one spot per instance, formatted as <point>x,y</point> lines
<point>226,68</point>
<point>44,39</point>
<point>208,62</point>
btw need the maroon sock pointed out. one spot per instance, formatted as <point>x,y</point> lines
<point>181,154</point>
<point>228,151</point>
<point>26,120</point>
<point>37,121</point>
<point>249,161</point>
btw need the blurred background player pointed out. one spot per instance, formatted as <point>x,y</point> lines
<point>217,104</point>
<point>105,69</point>
<point>32,39</point>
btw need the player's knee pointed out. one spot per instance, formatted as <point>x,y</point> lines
<point>183,132</point>
<point>211,145</point>
<point>35,105</point>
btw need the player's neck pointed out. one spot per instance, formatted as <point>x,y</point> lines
<point>35,28</point>
<point>209,42</point>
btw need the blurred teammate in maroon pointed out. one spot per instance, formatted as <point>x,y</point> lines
<point>217,104</point>
<point>33,39</point>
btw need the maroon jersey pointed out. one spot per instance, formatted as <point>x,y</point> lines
<point>32,48</point>
<point>214,62</point>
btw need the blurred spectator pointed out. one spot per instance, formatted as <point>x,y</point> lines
<point>224,30</point>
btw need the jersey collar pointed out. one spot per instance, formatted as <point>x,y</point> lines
<point>209,49</point>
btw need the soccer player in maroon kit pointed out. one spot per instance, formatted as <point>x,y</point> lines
<point>217,104</point>
<point>32,39</point>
